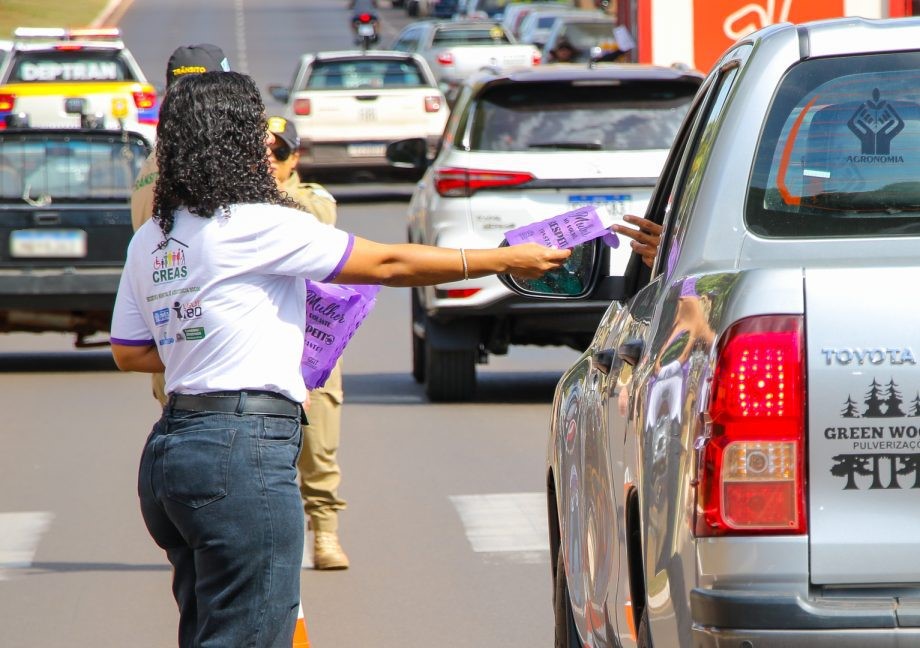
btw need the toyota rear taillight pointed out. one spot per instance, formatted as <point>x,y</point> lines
<point>458,182</point>
<point>751,477</point>
<point>432,103</point>
<point>302,107</point>
<point>445,58</point>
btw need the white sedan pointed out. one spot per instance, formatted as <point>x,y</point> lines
<point>347,106</point>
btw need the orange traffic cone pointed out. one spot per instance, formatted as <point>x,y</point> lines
<point>301,639</point>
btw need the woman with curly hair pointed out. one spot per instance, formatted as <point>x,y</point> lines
<point>212,293</point>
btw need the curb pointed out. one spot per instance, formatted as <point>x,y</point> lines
<point>111,13</point>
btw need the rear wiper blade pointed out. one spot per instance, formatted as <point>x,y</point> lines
<point>574,146</point>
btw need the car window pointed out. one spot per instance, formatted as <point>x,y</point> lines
<point>574,116</point>
<point>473,36</point>
<point>699,149</point>
<point>491,7</point>
<point>69,65</point>
<point>840,152</point>
<point>588,34</point>
<point>364,73</point>
<point>408,41</point>
<point>39,168</point>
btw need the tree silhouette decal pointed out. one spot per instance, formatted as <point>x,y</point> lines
<point>850,410</point>
<point>911,464</point>
<point>915,410</point>
<point>850,465</point>
<point>893,400</point>
<point>874,401</point>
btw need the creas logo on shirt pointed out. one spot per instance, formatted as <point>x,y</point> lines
<point>169,264</point>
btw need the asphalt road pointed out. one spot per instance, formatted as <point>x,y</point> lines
<point>446,520</point>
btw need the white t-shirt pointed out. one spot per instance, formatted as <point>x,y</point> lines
<point>224,300</point>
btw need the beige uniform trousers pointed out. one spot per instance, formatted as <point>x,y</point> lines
<point>317,464</point>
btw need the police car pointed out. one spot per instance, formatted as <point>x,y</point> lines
<point>54,75</point>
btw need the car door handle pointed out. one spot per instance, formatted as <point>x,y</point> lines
<point>630,351</point>
<point>603,360</point>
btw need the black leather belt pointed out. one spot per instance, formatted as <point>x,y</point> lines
<point>260,403</point>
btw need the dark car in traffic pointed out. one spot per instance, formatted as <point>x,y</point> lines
<point>65,224</point>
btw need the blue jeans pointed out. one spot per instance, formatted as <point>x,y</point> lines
<point>219,494</point>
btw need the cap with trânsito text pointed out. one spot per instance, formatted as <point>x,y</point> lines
<point>195,59</point>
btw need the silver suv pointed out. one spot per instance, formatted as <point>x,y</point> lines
<point>521,147</point>
<point>735,460</point>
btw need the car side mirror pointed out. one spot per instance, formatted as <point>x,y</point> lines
<point>575,279</point>
<point>279,93</point>
<point>408,153</point>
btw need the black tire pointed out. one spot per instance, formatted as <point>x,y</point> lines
<point>566,634</point>
<point>450,376</point>
<point>644,638</point>
<point>418,343</point>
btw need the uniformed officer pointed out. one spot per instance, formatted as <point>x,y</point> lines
<point>185,60</point>
<point>318,467</point>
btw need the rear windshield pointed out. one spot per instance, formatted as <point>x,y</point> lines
<point>69,65</point>
<point>560,116</point>
<point>364,74</point>
<point>840,152</point>
<point>41,169</point>
<point>484,35</point>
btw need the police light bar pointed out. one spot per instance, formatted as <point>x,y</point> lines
<point>39,32</point>
<point>59,33</point>
<point>95,33</point>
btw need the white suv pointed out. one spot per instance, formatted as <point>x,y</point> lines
<point>518,148</point>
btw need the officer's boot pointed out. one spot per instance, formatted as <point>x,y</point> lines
<point>327,552</point>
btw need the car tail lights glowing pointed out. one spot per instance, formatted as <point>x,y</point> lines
<point>432,103</point>
<point>751,473</point>
<point>536,57</point>
<point>302,107</point>
<point>445,58</point>
<point>459,182</point>
<point>7,102</point>
<point>144,99</point>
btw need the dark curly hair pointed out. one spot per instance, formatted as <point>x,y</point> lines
<point>211,149</point>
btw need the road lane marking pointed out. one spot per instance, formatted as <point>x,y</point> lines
<point>20,534</point>
<point>513,524</point>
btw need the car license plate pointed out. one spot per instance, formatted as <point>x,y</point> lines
<point>614,204</point>
<point>365,30</point>
<point>367,150</point>
<point>48,243</point>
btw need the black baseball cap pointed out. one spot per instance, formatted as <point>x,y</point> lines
<point>195,59</point>
<point>284,130</point>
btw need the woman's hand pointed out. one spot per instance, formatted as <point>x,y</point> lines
<point>532,261</point>
<point>645,239</point>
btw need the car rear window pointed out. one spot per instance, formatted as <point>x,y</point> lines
<point>588,115</point>
<point>365,73</point>
<point>840,152</point>
<point>473,36</point>
<point>42,168</point>
<point>69,65</point>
